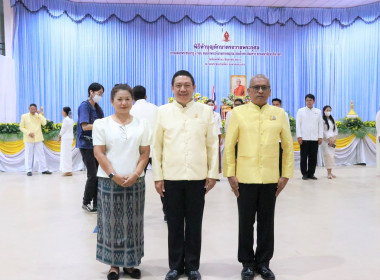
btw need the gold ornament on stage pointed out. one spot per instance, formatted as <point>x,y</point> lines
<point>352,114</point>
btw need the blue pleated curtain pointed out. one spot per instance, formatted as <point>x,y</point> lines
<point>61,47</point>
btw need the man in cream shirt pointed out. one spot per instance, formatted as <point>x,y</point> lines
<point>254,175</point>
<point>185,168</point>
<point>30,125</point>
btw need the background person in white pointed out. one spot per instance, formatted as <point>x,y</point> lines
<point>144,110</point>
<point>330,131</point>
<point>309,130</point>
<point>237,102</point>
<point>66,137</point>
<point>378,141</point>
<point>278,103</point>
<point>219,127</point>
<point>185,168</point>
<point>30,125</point>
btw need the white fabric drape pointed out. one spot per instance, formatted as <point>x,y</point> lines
<point>15,163</point>
<point>358,151</point>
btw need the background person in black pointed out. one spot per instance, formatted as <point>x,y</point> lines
<point>88,112</point>
<point>278,103</point>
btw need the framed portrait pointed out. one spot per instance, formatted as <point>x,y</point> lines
<point>239,86</point>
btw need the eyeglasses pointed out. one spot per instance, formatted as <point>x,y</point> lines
<point>123,133</point>
<point>263,88</point>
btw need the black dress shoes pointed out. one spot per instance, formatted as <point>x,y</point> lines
<point>304,177</point>
<point>313,177</point>
<point>265,273</point>
<point>112,275</point>
<point>247,273</point>
<point>172,275</point>
<point>135,273</point>
<point>47,172</point>
<point>29,174</point>
<point>194,275</point>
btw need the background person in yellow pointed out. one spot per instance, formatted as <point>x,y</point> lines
<point>30,126</point>
<point>185,167</point>
<point>254,176</point>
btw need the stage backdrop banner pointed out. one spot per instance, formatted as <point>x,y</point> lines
<point>61,47</point>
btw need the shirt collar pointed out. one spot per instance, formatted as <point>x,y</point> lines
<point>188,105</point>
<point>309,108</point>
<point>254,106</point>
<point>141,101</point>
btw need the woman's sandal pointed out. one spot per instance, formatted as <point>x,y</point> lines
<point>135,273</point>
<point>112,275</point>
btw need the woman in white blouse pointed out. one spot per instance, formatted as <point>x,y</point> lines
<point>121,146</point>
<point>330,131</point>
<point>66,137</point>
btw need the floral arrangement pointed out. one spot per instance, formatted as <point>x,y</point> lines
<point>229,100</point>
<point>50,129</point>
<point>197,96</point>
<point>292,123</point>
<point>11,131</point>
<point>10,128</point>
<point>369,124</point>
<point>355,126</point>
<point>203,99</point>
<point>339,124</point>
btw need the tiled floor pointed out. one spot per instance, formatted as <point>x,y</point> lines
<point>325,229</point>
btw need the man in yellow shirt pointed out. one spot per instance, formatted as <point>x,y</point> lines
<point>254,175</point>
<point>185,167</point>
<point>30,126</point>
